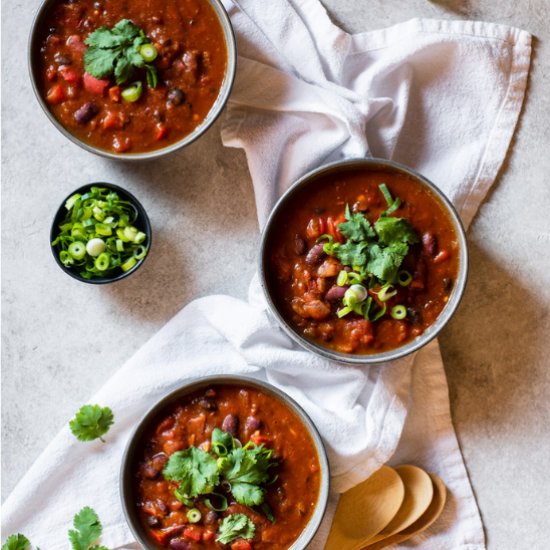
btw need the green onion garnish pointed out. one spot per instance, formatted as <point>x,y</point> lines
<point>97,237</point>
<point>386,292</point>
<point>398,312</point>
<point>386,192</point>
<point>194,515</point>
<point>404,278</point>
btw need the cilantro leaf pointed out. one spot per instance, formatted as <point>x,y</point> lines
<point>384,262</point>
<point>245,469</point>
<point>116,52</point>
<point>91,422</point>
<point>236,526</point>
<point>17,542</point>
<point>391,230</point>
<point>194,469</point>
<point>351,253</point>
<point>222,442</point>
<point>87,529</point>
<point>357,227</point>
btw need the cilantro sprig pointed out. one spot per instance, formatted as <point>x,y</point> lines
<point>91,422</point>
<point>117,52</point>
<point>236,526</point>
<point>17,542</point>
<point>87,530</point>
<point>246,470</point>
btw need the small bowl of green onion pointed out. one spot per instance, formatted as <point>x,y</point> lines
<point>100,234</point>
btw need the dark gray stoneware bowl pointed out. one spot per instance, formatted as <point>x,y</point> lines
<point>215,111</point>
<point>133,447</point>
<point>368,164</point>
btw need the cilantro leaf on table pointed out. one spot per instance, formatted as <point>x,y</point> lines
<point>236,526</point>
<point>116,52</point>
<point>194,469</point>
<point>87,529</point>
<point>357,227</point>
<point>91,422</point>
<point>17,542</point>
<point>245,469</point>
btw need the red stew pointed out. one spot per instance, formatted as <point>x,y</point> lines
<point>249,415</point>
<point>191,65</point>
<point>304,280</point>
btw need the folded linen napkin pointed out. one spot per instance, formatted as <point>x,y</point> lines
<point>441,96</point>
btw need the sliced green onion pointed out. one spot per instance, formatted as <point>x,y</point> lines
<point>128,264</point>
<point>140,237</point>
<point>140,252</point>
<point>119,245</point>
<point>366,308</point>
<point>194,515</point>
<point>183,497</point>
<point>355,294</point>
<point>70,202</point>
<point>342,278</point>
<point>66,259</point>
<point>103,229</point>
<point>355,278</point>
<point>386,192</point>
<point>404,278</point>
<point>148,52</point>
<point>386,292</point>
<point>130,233</point>
<point>77,250</point>
<point>398,312</point>
<point>218,507</point>
<point>133,92</point>
<point>99,215</point>
<point>394,206</point>
<point>102,261</point>
<point>95,247</point>
<point>326,236</point>
<point>380,313</point>
<point>344,311</point>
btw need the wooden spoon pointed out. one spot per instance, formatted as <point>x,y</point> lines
<point>366,509</point>
<point>428,517</point>
<point>418,496</point>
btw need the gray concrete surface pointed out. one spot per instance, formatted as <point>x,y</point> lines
<point>61,339</point>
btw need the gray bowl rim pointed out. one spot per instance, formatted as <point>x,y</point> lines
<point>54,230</point>
<point>190,386</point>
<point>448,311</point>
<point>202,128</point>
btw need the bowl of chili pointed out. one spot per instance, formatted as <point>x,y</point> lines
<point>225,461</point>
<point>132,81</point>
<point>363,261</point>
<point>100,234</point>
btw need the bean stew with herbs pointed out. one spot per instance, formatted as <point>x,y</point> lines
<point>226,466</point>
<point>130,77</point>
<point>363,261</point>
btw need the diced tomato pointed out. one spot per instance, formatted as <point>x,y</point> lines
<point>69,74</point>
<point>241,544</point>
<point>94,85</point>
<point>55,94</point>
<point>161,131</point>
<point>208,535</point>
<point>51,73</point>
<point>193,533</point>
<point>163,535</point>
<point>316,227</point>
<point>113,121</point>
<point>114,94</point>
<point>75,43</point>
<point>257,438</point>
<point>121,145</point>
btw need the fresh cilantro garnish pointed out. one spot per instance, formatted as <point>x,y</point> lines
<point>395,230</point>
<point>357,228</point>
<point>91,422</point>
<point>245,469</point>
<point>236,526</point>
<point>116,52</point>
<point>194,469</point>
<point>17,542</point>
<point>87,529</point>
<point>384,262</point>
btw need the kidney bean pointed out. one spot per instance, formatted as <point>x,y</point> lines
<point>299,245</point>
<point>251,424</point>
<point>153,521</point>
<point>179,544</point>
<point>175,97</point>
<point>336,293</point>
<point>159,460</point>
<point>315,255</point>
<point>61,59</point>
<point>414,316</point>
<point>208,404</point>
<point>211,517</point>
<point>88,111</point>
<point>231,424</point>
<point>429,242</point>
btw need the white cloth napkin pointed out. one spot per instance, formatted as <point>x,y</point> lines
<point>441,96</point>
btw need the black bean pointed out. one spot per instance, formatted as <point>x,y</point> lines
<point>414,316</point>
<point>447,284</point>
<point>336,293</point>
<point>88,111</point>
<point>315,255</point>
<point>231,424</point>
<point>150,472</point>
<point>252,424</point>
<point>180,544</point>
<point>176,96</point>
<point>161,505</point>
<point>211,517</point>
<point>299,245</point>
<point>153,521</point>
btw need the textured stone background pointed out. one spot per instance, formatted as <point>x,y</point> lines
<point>61,340</point>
